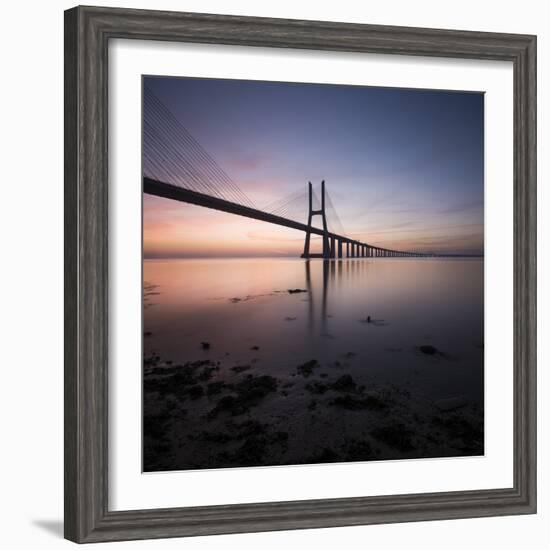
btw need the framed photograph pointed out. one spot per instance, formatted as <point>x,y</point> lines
<point>300,264</point>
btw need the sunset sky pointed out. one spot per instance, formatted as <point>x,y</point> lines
<point>404,168</point>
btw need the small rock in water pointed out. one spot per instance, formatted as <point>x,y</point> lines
<point>344,384</point>
<point>428,350</point>
<point>296,290</point>
<point>148,333</point>
<point>307,368</point>
<point>205,345</point>
<point>255,348</point>
<point>240,368</point>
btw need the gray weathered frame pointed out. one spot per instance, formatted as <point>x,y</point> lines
<point>87,34</point>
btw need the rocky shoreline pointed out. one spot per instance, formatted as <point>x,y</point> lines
<point>213,414</point>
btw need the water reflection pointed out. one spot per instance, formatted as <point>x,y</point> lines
<point>236,304</point>
<point>296,333</point>
<point>334,273</point>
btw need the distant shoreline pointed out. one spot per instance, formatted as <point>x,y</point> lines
<point>439,256</point>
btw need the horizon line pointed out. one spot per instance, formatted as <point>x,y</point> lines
<point>190,257</point>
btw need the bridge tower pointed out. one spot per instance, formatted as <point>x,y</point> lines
<point>327,250</point>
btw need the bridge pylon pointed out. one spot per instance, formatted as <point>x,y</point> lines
<point>328,251</point>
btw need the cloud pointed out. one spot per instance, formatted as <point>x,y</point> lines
<point>246,160</point>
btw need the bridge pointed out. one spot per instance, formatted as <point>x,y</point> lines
<point>177,167</point>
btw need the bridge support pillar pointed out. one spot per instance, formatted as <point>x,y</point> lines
<point>347,249</point>
<point>328,251</point>
<point>339,248</point>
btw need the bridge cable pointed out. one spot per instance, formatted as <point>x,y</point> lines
<point>183,151</point>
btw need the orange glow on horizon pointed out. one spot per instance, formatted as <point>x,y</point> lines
<point>174,229</point>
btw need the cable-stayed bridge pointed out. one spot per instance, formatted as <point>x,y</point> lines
<point>177,167</point>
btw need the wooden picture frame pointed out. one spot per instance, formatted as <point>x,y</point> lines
<point>87,34</point>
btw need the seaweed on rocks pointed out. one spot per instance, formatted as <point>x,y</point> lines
<point>240,368</point>
<point>179,380</point>
<point>245,394</point>
<point>306,369</point>
<point>344,384</point>
<point>317,387</point>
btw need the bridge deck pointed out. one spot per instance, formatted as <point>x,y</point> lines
<point>169,191</point>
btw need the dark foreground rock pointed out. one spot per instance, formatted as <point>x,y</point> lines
<point>307,368</point>
<point>205,415</point>
<point>245,395</point>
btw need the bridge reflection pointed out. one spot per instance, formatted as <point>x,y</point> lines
<point>332,274</point>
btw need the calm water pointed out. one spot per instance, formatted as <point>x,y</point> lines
<point>238,304</point>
